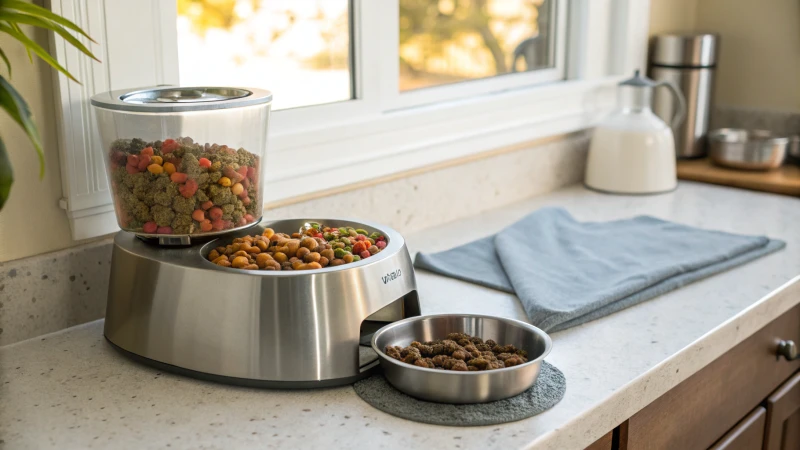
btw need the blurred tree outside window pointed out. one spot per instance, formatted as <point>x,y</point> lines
<point>298,49</point>
<point>447,41</point>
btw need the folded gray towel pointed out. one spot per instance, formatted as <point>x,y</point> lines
<point>566,272</point>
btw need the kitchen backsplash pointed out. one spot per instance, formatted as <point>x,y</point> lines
<point>53,291</point>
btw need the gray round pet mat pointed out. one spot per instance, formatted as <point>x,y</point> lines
<point>546,392</point>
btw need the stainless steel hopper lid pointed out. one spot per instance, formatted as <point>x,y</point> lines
<point>180,99</point>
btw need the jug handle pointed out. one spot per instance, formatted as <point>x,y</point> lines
<point>680,114</point>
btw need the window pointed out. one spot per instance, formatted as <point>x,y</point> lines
<point>449,41</point>
<point>298,48</point>
<point>386,86</point>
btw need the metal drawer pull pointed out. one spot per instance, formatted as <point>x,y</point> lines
<point>787,349</point>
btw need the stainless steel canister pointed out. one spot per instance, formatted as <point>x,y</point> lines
<point>689,61</point>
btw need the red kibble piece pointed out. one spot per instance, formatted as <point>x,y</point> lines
<point>251,173</point>
<point>149,227</point>
<point>380,244</point>
<point>144,161</point>
<point>188,189</point>
<point>207,205</point>
<point>381,238</point>
<point>234,176</point>
<point>361,237</point>
<point>133,160</point>
<point>164,230</point>
<point>178,177</point>
<point>215,213</point>
<point>359,247</point>
<point>169,146</point>
<point>243,172</point>
<point>204,162</point>
<point>147,151</point>
<point>242,222</point>
<point>249,218</point>
<point>205,226</point>
<point>245,183</point>
<point>132,169</point>
<point>365,254</point>
<point>199,215</point>
<point>246,201</point>
<point>217,224</point>
<point>243,194</point>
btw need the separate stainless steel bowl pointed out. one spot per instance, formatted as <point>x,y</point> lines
<point>747,149</point>
<point>446,386</point>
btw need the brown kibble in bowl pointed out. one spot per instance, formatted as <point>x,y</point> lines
<point>327,253</point>
<point>224,263</point>
<point>323,261</point>
<point>262,259</point>
<point>309,243</point>
<point>251,267</point>
<point>220,258</point>
<point>280,257</point>
<point>313,265</point>
<point>268,233</point>
<point>212,255</point>
<point>239,262</point>
<point>336,262</point>
<point>291,247</point>
<point>302,252</point>
<point>312,257</point>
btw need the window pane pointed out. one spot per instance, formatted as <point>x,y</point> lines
<point>447,41</point>
<point>298,49</point>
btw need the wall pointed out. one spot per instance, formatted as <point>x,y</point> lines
<point>31,221</point>
<point>760,60</point>
<point>760,47</point>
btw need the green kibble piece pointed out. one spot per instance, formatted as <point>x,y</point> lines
<point>348,249</point>
<point>343,231</point>
<point>375,235</point>
<point>362,231</point>
<point>356,258</point>
<point>339,253</point>
<point>353,232</point>
<point>371,241</point>
<point>315,225</point>
<point>338,245</point>
<point>346,240</point>
<point>327,236</point>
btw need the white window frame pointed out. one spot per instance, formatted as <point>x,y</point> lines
<point>380,133</point>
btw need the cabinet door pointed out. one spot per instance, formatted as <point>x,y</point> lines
<point>783,417</point>
<point>604,443</point>
<point>747,434</point>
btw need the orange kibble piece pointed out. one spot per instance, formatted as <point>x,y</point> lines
<point>268,233</point>
<point>155,169</point>
<point>240,262</point>
<point>280,257</point>
<point>313,265</point>
<point>224,181</point>
<point>236,189</point>
<point>156,160</point>
<point>169,168</point>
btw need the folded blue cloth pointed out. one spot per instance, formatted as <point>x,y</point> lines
<point>566,272</point>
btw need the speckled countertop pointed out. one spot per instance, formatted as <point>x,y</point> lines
<point>71,390</point>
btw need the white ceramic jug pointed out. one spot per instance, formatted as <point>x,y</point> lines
<point>632,150</point>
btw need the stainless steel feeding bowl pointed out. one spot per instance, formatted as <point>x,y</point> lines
<point>747,149</point>
<point>444,386</point>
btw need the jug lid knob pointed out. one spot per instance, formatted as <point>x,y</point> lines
<point>638,80</point>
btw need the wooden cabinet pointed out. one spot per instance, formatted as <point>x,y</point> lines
<point>604,443</point>
<point>703,408</point>
<point>783,417</point>
<point>747,434</point>
<point>746,399</point>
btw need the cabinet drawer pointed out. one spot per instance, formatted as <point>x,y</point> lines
<point>747,434</point>
<point>699,411</point>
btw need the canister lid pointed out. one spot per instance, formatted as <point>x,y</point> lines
<point>179,99</point>
<point>685,50</point>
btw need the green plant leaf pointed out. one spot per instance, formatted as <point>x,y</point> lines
<point>36,48</point>
<point>38,11</point>
<point>27,50</point>
<point>13,17</point>
<point>5,58</point>
<point>15,106</point>
<point>6,175</point>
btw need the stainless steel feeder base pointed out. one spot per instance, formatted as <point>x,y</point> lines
<point>288,329</point>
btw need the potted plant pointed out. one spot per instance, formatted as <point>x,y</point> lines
<point>14,13</point>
